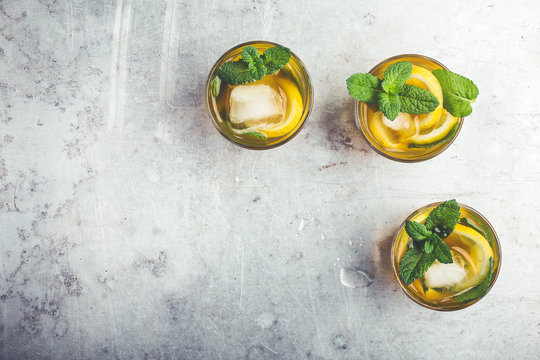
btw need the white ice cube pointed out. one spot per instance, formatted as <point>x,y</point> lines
<point>253,105</point>
<point>444,275</point>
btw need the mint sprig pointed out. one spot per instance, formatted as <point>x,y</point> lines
<point>415,100</point>
<point>468,223</point>
<point>414,264</point>
<point>417,231</point>
<point>253,66</point>
<point>392,94</point>
<point>389,104</point>
<point>458,92</point>
<point>428,244</point>
<point>480,289</point>
<point>443,219</point>
<point>235,73</point>
<point>364,88</point>
<point>395,77</point>
<point>275,58</point>
<point>252,58</point>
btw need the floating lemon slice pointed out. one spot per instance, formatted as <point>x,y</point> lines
<point>424,79</point>
<point>293,112</point>
<point>446,124</point>
<point>479,250</point>
<point>383,134</point>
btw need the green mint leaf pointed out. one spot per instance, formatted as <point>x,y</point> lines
<point>441,251</point>
<point>446,138</point>
<point>364,88</point>
<point>415,100</point>
<point>480,289</point>
<point>443,218</point>
<point>417,231</point>
<point>252,58</point>
<point>395,77</point>
<point>258,70</point>
<point>257,134</point>
<point>389,104</point>
<point>216,86</point>
<point>249,54</point>
<point>467,222</point>
<point>429,244</point>
<point>414,264</point>
<point>276,57</point>
<point>235,73</point>
<point>458,92</point>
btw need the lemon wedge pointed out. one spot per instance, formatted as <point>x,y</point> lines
<point>293,112</point>
<point>445,126</point>
<point>424,79</point>
<point>479,253</point>
<point>383,134</point>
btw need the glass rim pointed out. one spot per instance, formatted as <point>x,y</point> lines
<point>388,156</point>
<point>429,306</point>
<point>208,85</point>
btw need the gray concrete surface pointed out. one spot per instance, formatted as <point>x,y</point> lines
<point>130,229</point>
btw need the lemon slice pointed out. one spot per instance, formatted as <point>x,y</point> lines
<point>479,250</point>
<point>435,296</point>
<point>424,79</point>
<point>437,133</point>
<point>384,135</point>
<point>293,111</point>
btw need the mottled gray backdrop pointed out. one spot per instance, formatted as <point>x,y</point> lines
<point>130,229</point>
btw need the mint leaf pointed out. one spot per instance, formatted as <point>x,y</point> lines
<point>443,218</point>
<point>446,138</point>
<point>441,251</point>
<point>257,134</point>
<point>467,222</point>
<point>364,88</point>
<point>275,58</point>
<point>414,264</point>
<point>235,73</point>
<point>216,86</point>
<point>249,54</point>
<point>252,66</point>
<point>252,58</point>
<point>417,231</point>
<point>480,289</point>
<point>429,244</point>
<point>395,77</point>
<point>458,92</point>
<point>415,100</point>
<point>389,104</point>
<point>258,70</point>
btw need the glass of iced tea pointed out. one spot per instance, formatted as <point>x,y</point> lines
<point>409,137</point>
<point>455,273</point>
<point>254,111</point>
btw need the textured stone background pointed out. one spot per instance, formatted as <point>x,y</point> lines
<point>130,229</point>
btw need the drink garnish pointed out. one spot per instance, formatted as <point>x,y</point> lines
<point>428,244</point>
<point>391,93</point>
<point>458,92</point>
<point>467,222</point>
<point>253,66</point>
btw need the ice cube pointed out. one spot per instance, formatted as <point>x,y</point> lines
<point>256,104</point>
<point>444,275</point>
